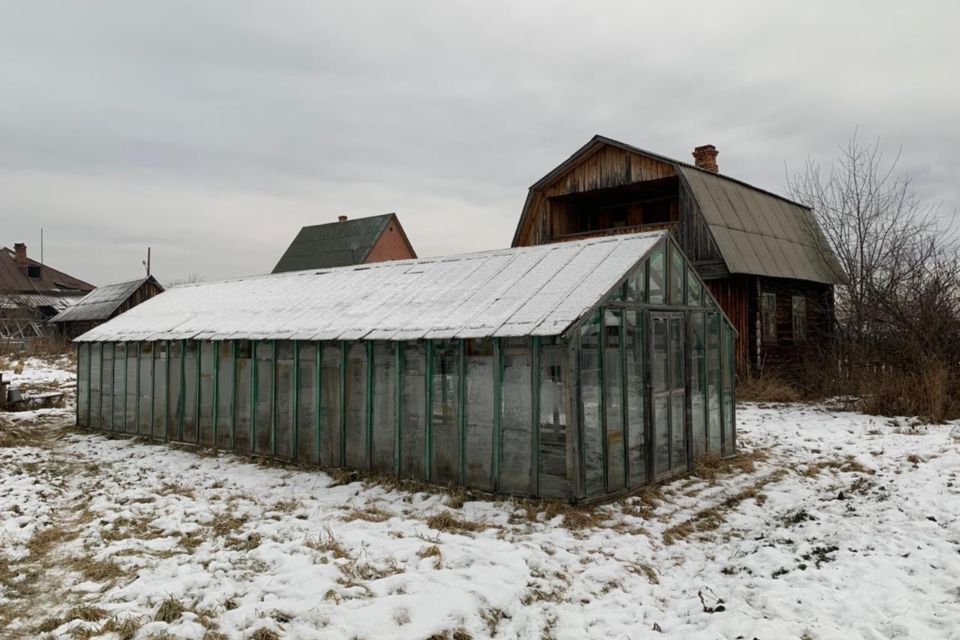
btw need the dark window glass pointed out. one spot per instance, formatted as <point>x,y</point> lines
<point>308,451</point>
<point>590,402</point>
<point>480,405</point>
<point>768,316</point>
<point>658,276</point>
<point>174,391</point>
<point>243,427</point>
<point>414,417</point>
<point>516,468</point>
<point>677,274</point>
<point>556,468</point>
<point>799,319</point>
<point>160,405</point>
<point>636,442</point>
<point>207,355</point>
<point>263,425</point>
<point>83,383</point>
<point>729,428</point>
<point>145,392</point>
<point>613,399</point>
<point>384,406</point>
<point>224,354</point>
<point>698,375</point>
<point>694,288</point>
<point>713,384</point>
<point>283,411</point>
<point>95,390</point>
<point>119,386</point>
<point>356,409</point>
<point>637,285</point>
<point>444,412</point>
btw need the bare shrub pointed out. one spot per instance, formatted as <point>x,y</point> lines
<point>766,387</point>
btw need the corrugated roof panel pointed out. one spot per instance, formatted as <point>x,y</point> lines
<point>407,299</point>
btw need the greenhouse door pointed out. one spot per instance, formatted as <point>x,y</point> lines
<point>669,442</point>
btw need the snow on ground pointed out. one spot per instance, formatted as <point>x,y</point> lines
<point>831,525</point>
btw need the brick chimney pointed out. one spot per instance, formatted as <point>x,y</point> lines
<point>20,249</point>
<point>341,218</point>
<point>705,157</point>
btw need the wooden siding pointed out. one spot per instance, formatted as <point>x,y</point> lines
<point>693,235</point>
<point>733,296</point>
<point>609,167</point>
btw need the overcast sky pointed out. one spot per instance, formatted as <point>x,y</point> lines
<point>212,131</point>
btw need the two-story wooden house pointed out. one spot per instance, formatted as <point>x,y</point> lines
<point>763,256</point>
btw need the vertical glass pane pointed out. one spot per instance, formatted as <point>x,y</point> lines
<point>636,440</point>
<point>590,398</point>
<point>661,396</point>
<point>384,406</point>
<point>243,424</point>
<point>637,285</point>
<point>263,425</point>
<point>713,384</point>
<point>284,399</point>
<point>330,424</point>
<point>613,399</point>
<point>729,428</point>
<point>658,276</point>
<point>190,386</point>
<point>119,387</point>
<point>83,383</point>
<point>130,385</point>
<point>414,417</point>
<point>694,288</point>
<point>678,409</point>
<point>677,275</point>
<point>106,385</point>
<point>356,397</point>
<point>516,422</point>
<point>445,426</point>
<point>145,392</point>
<point>480,408</point>
<point>207,355</point>
<point>768,315</point>
<point>698,374</point>
<point>161,355</point>
<point>96,363</point>
<point>556,451</point>
<point>224,354</point>
<point>307,450</point>
<point>173,397</point>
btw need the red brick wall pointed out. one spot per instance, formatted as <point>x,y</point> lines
<point>390,246</point>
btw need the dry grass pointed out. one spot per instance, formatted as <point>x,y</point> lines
<point>126,629</point>
<point>449,523</point>
<point>170,610</point>
<point>711,467</point>
<point>225,524</point>
<point>86,613</point>
<point>848,464</point>
<point>370,513</point>
<point>326,542</point>
<point>46,539</point>
<point>263,633</point>
<point>96,570</point>
<point>766,388</point>
<point>432,551</point>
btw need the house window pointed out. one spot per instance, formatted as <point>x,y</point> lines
<point>768,316</point>
<point>33,271</point>
<point>799,307</point>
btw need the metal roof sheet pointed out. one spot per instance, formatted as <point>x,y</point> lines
<point>761,234</point>
<point>539,290</point>
<point>100,303</point>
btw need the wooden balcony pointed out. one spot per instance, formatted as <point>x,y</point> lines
<point>614,231</point>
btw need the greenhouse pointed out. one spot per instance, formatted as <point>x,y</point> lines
<point>578,370</point>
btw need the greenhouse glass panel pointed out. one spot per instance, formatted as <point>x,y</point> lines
<point>637,285</point>
<point>384,406</point>
<point>190,386</point>
<point>694,288</point>
<point>636,437</point>
<point>356,409</point>
<point>656,265</point>
<point>263,419</point>
<point>307,450</point>
<point>727,365</point>
<point>480,406</point>
<point>414,416</point>
<point>145,392</point>
<point>678,409</point>
<point>83,384</point>
<point>243,425</point>
<point>224,353</point>
<point>516,418</point>
<point>713,384</point>
<point>118,419</point>
<point>445,423</point>
<point>660,373</point>
<point>677,273</point>
<point>698,376</point>
<point>96,397</point>
<point>283,409</point>
<point>556,479</point>
<point>205,425</point>
<point>160,411</point>
<point>613,398</point>
<point>130,424</point>
<point>175,391</point>
<point>592,446</point>
<point>330,410</point>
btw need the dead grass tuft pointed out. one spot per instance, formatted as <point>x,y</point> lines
<point>449,523</point>
<point>248,542</point>
<point>86,613</point>
<point>711,467</point>
<point>224,524</point>
<point>263,633</point>
<point>766,388</point>
<point>96,570</point>
<point>326,542</point>
<point>125,629</point>
<point>170,610</point>
<point>433,551</point>
<point>370,513</point>
<point>847,464</point>
<point>454,634</point>
<point>46,539</point>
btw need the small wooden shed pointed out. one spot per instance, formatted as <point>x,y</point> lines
<point>104,303</point>
<point>578,370</point>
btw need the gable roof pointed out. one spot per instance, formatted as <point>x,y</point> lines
<point>541,290</point>
<point>13,280</point>
<point>337,244</point>
<point>756,231</point>
<point>100,303</point>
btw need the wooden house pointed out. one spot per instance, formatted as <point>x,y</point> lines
<point>347,242</point>
<point>763,256</point>
<point>104,303</point>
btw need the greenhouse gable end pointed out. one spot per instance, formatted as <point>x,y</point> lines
<point>577,370</point>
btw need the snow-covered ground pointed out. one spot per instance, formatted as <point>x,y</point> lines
<point>832,525</point>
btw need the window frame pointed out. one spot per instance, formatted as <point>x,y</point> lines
<point>768,317</point>
<point>798,320</point>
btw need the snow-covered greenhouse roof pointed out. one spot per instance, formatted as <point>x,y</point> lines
<point>540,290</point>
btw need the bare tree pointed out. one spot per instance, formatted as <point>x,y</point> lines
<point>187,279</point>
